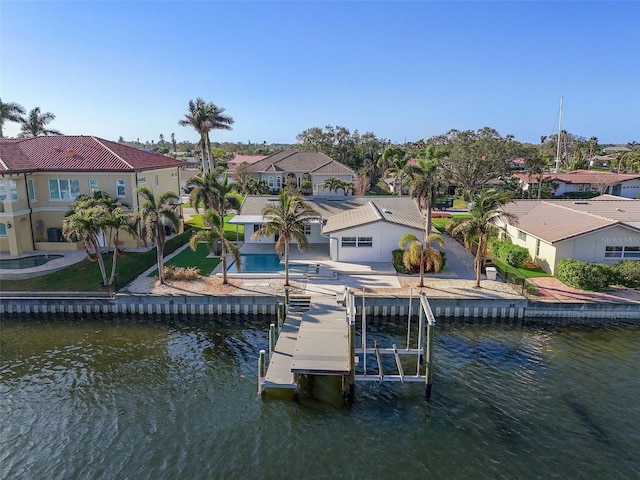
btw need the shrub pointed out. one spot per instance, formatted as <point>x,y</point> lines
<point>181,273</point>
<point>398,264</point>
<point>436,264</point>
<point>513,255</point>
<point>586,276</point>
<point>628,272</point>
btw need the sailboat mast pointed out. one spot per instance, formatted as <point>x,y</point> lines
<point>559,140</point>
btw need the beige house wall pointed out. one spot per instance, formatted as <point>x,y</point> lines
<point>29,232</point>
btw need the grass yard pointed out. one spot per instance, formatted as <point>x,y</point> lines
<point>85,275</point>
<point>441,223</point>
<point>520,271</point>
<point>189,258</point>
<point>229,230</point>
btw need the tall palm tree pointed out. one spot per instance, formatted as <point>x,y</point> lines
<point>424,178</point>
<point>204,117</point>
<point>35,124</point>
<point>155,213</point>
<point>119,219</point>
<point>10,112</point>
<point>415,252</point>
<point>287,218</point>
<point>212,193</point>
<point>215,233</point>
<point>84,222</point>
<point>480,225</point>
<point>393,162</point>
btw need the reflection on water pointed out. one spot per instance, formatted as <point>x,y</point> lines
<point>105,399</point>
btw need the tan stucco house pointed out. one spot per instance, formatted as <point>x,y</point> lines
<point>619,184</point>
<point>40,177</point>
<point>312,166</point>
<point>604,229</point>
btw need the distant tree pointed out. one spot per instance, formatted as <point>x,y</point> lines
<point>174,143</point>
<point>334,184</point>
<point>393,162</point>
<point>215,233</point>
<point>155,213</point>
<point>287,218</point>
<point>10,112</point>
<point>35,124</point>
<point>161,142</point>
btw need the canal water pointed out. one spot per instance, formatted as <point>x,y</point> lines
<point>118,399</point>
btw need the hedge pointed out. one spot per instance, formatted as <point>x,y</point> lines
<point>513,255</point>
<point>586,276</point>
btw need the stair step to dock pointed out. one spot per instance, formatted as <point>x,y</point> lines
<point>299,303</point>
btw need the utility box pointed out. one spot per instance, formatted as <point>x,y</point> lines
<point>491,273</point>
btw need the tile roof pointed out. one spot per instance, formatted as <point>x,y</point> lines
<point>295,161</point>
<point>345,212</point>
<point>558,220</point>
<point>582,177</point>
<point>76,153</point>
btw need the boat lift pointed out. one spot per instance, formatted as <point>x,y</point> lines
<point>422,351</point>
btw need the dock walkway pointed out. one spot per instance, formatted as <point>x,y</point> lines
<point>312,342</point>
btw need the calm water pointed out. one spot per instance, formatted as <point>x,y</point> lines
<point>171,400</point>
<point>27,262</point>
<point>265,263</point>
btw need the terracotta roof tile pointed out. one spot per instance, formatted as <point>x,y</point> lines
<point>76,153</point>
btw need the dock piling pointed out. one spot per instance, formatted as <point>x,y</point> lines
<point>261,371</point>
<point>272,339</point>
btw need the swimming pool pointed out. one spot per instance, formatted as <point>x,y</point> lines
<point>265,263</point>
<point>27,262</point>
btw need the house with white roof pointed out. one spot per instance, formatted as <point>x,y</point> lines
<point>618,184</point>
<point>40,177</point>
<point>313,167</point>
<point>604,229</point>
<point>352,229</point>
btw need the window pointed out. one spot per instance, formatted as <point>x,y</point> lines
<point>357,241</point>
<point>31,189</point>
<point>93,185</point>
<point>3,230</point>
<point>270,182</point>
<point>307,229</point>
<point>142,180</point>
<point>537,248</point>
<point>256,227</point>
<point>157,181</point>
<point>349,242</point>
<point>13,190</point>
<point>365,241</point>
<point>622,252</point>
<point>278,180</point>
<point>120,192</point>
<point>63,189</point>
<point>522,236</point>
<point>613,252</point>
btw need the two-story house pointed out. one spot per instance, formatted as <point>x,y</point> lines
<point>40,177</point>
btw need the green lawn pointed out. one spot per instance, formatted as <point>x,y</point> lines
<point>521,271</point>
<point>441,223</point>
<point>189,258</point>
<point>229,230</point>
<point>85,275</point>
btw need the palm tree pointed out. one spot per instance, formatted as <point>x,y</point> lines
<point>479,226</point>
<point>155,213</point>
<point>35,124</point>
<point>415,252</point>
<point>287,219</point>
<point>211,193</point>
<point>85,223</point>
<point>11,112</point>
<point>394,161</point>
<point>424,176</point>
<point>204,117</point>
<point>215,233</point>
<point>119,219</point>
<point>333,184</point>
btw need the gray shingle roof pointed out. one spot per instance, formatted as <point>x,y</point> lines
<point>302,162</point>
<point>558,220</point>
<point>345,212</point>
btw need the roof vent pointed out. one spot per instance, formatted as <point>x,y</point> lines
<point>619,210</point>
<point>387,211</point>
<point>70,153</point>
<point>581,203</point>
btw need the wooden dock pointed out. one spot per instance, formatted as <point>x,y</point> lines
<point>313,342</point>
<point>319,342</point>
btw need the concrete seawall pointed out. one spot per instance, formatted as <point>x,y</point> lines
<point>128,304</point>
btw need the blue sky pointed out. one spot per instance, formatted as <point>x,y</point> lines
<point>403,70</point>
